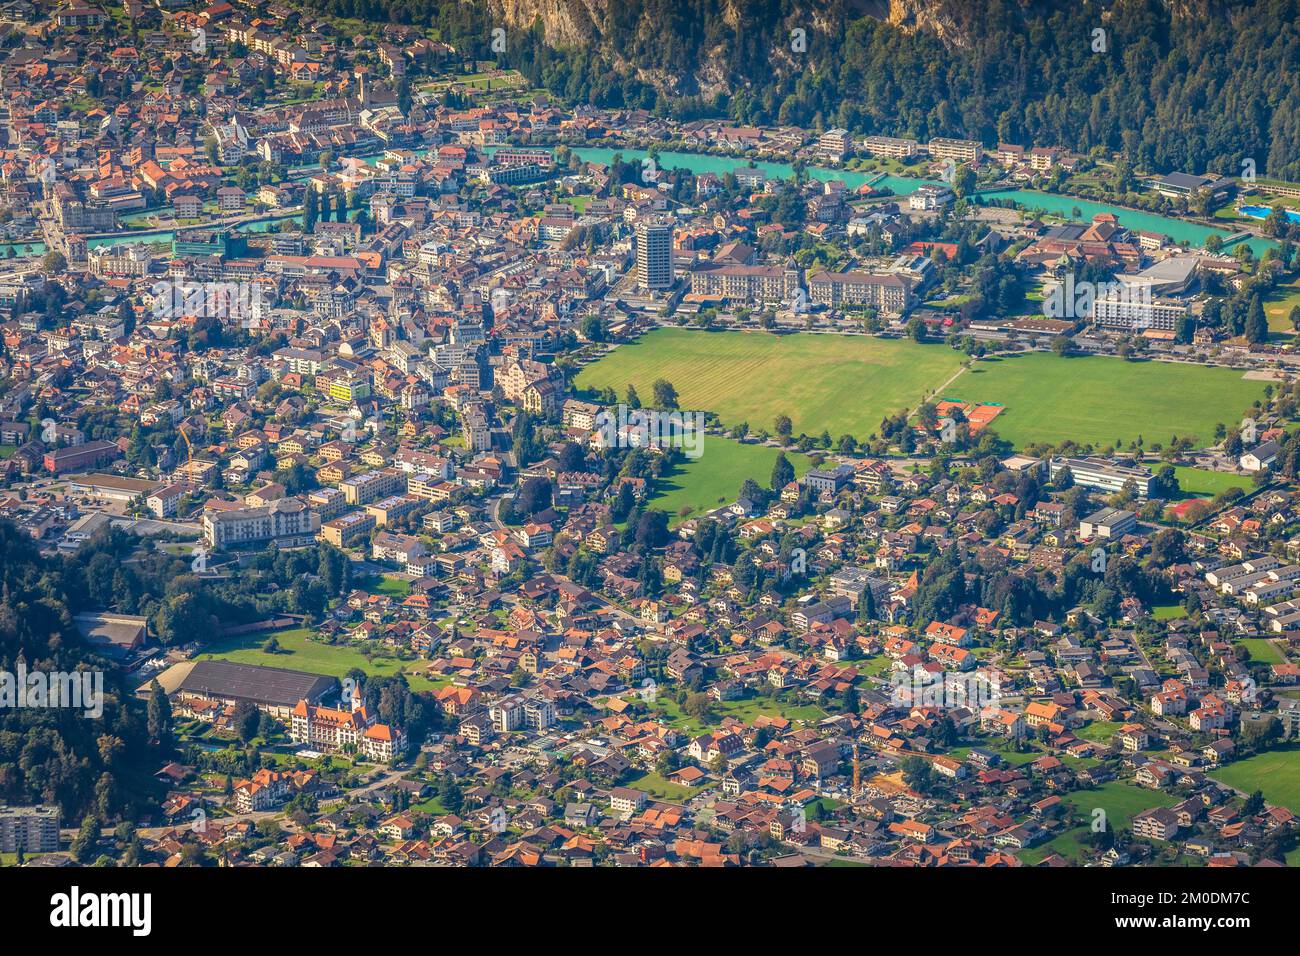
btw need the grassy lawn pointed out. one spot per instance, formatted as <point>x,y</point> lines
<point>1168,612</point>
<point>1098,400</point>
<point>395,587</point>
<point>1262,650</point>
<point>702,484</point>
<point>1120,801</point>
<point>844,384</point>
<point>432,806</point>
<point>753,708</point>
<point>1201,483</point>
<point>746,710</point>
<point>1011,757</point>
<point>875,666</point>
<point>828,806</point>
<point>1276,772</point>
<point>661,788</point>
<point>1099,731</point>
<point>1278,305</point>
<point>299,652</point>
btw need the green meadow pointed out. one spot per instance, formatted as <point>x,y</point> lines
<point>847,384</point>
<point>844,384</point>
<point>1098,400</point>
<point>702,484</point>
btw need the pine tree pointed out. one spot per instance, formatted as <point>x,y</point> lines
<point>1256,322</point>
<point>867,606</point>
<point>160,717</point>
<point>782,472</point>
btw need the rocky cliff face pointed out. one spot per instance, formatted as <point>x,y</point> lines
<point>568,23</point>
<point>585,23</point>
<point>577,22</point>
<point>933,16</point>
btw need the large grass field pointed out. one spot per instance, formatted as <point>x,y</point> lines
<point>847,384</point>
<point>704,483</point>
<point>844,384</point>
<point>298,652</point>
<point>1097,400</point>
<point>1276,772</point>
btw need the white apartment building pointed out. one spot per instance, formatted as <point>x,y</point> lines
<point>890,146</point>
<point>958,150</point>
<point>287,522</point>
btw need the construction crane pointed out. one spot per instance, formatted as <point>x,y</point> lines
<point>857,772</point>
<point>189,462</point>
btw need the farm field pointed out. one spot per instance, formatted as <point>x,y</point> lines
<point>702,484</point>
<point>1276,772</point>
<point>841,383</point>
<point>299,652</point>
<point>1097,400</point>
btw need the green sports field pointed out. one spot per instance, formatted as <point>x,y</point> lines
<point>840,383</point>
<point>704,483</point>
<point>1201,483</point>
<point>1097,400</point>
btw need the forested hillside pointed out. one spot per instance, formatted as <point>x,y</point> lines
<point>1198,85</point>
<point>101,766</point>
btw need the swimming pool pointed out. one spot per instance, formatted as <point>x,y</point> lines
<point>1261,212</point>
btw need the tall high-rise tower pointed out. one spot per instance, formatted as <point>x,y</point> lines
<point>654,254</point>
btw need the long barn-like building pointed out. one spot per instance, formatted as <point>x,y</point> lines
<point>274,690</point>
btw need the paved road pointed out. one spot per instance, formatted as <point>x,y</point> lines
<point>387,778</point>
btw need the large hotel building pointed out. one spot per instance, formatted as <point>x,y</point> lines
<point>743,283</point>
<point>30,829</point>
<point>1134,313</point>
<point>890,294</point>
<point>334,729</point>
<point>287,522</point>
